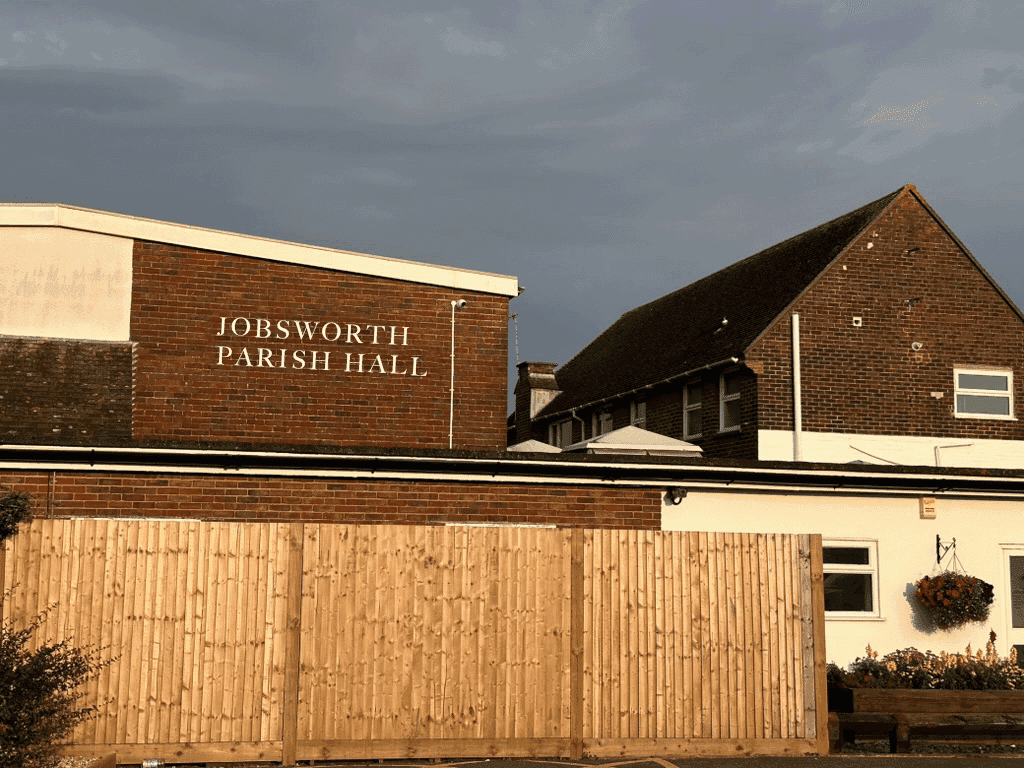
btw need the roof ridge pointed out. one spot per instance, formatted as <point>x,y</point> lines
<point>737,264</point>
<point>684,330</point>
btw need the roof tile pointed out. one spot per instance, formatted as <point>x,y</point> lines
<point>683,330</point>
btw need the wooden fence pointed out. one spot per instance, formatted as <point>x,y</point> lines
<point>278,642</point>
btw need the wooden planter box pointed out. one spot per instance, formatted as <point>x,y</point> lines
<point>914,700</point>
<point>901,714</point>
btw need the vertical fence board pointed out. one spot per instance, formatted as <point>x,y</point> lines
<point>321,641</point>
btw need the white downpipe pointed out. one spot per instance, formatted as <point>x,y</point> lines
<point>938,458</point>
<point>798,414</point>
<point>451,387</point>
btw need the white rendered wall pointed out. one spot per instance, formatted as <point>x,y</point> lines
<point>906,552</point>
<point>63,283</point>
<point>840,448</point>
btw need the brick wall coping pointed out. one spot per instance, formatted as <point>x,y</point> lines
<point>497,467</point>
<point>135,227</point>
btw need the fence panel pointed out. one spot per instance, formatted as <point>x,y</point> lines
<point>194,610</point>
<point>246,641</point>
<point>444,640</point>
<point>698,643</point>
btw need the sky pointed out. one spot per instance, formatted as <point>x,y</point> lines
<point>605,153</point>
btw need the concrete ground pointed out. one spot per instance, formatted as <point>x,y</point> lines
<point>830,761</point>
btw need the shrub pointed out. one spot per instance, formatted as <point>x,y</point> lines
<point>15,509</point>
<point>40,700</point>
<point>910,668</point>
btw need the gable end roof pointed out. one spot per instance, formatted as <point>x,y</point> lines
<point>683,331</point>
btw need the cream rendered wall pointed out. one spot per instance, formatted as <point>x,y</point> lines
<point>64,283</point>
<point>906,552</point>
<point>839,448</point>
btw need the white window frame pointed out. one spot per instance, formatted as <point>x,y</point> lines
<point>871,545</point>
<point>723,399</point>
<point>689,408</point>
<point>556,433</point>
<point>638,413</point>
<point>958,390</point>
<point>600,419</point>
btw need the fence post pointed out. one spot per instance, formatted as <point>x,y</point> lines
<point>3,571</point>
<point>820,681</point>
<point>576,645</point>
<point>290,713</point>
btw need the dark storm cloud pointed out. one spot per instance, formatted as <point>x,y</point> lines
<point>605,152</point>
<point>46,91</point>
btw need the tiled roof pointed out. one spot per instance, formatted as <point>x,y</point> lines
<point>683,330</point>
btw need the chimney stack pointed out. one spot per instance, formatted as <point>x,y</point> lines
<point>535,388</point>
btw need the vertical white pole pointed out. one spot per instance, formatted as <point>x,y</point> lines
<point>451,388</point>
<point>798,416</point>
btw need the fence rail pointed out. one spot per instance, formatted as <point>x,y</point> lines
<point>249,641</point>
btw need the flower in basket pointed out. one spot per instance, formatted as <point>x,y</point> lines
<point>953,599</point>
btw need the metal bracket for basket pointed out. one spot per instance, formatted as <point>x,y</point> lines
<point>942,548</point>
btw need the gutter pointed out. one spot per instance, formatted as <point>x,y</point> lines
<point>683,375</point>
<point>501,468</point>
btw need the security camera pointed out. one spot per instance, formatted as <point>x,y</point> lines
<point>460,304</point>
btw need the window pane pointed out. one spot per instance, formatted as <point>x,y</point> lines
<point>693,394</point>
<point>693,422</point>
<point>846,555</point>
<point>991,406</point>
<point>731,414</point>
<point>1017,592</point>
<point>995,382</point>
<point>732,383</point>
<point>848,592</point>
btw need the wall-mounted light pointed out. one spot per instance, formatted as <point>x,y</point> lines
<point>675,495</point>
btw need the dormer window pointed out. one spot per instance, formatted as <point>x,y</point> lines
<point>983,393</point>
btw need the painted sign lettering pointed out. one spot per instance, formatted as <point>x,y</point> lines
<point>264,330</point>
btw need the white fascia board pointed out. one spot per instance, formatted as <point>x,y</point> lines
<point>121,225</point>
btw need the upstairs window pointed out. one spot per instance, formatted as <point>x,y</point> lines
<point>729,397</point>
<point>638,414</point>
<point>601,423</point>
<point>560,434</point>
<point>692,410</point>
<point>983,394</point>
<point>851,578</point>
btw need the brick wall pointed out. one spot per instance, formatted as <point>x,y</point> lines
<point>665,417</point>
<point>102,494</point>
<point>195,385</point>
<point>65,392</point>
<point>868,379</point>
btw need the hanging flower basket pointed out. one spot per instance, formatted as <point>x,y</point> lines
<point>953,599</point>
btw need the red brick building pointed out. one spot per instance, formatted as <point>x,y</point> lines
<point>157,370</point>
<point>151,369</point>
<point>123,331</point>
<point>876,337</point>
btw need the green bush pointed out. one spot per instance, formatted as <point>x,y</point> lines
<point>15,509</point>
<point>40,697</point>
<point>910,668</point>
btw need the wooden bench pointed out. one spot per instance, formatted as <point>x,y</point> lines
<point>991,717</point>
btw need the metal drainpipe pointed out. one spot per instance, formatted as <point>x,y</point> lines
<point>456,304</point>
<point>798,416</point>
<point>451,387</point>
